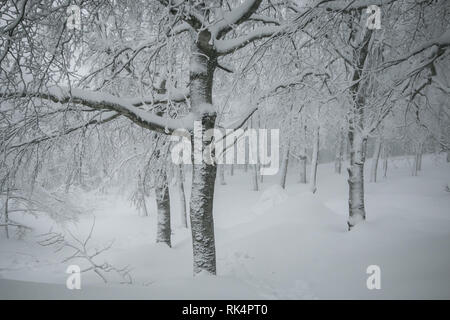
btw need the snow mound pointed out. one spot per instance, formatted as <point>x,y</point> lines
<point>272,196</point>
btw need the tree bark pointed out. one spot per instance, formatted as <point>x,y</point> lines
<point>339,153</point>
<point>255,177</point>
<point>314,161</point>
<point>356,140</point>
<point>385,161</point>
<point>182,196</point>
<point>6,218</point>
<point>375,159</point>
<point>163,233</point>
<point>222,174</point>
<point>303,160</point>
<point>284,166</point>
<point>142,195</point>
<point>417,160</point>
<point>203,63</point>
<point>357,210</point>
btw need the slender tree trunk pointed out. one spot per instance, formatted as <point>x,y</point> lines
<point>385,161</point>
<point>261,176</point>
<point>448,156</point>
<point>163,204</point>
<point>415,167</point>
<point>232,170</point>
<point>284,165</point>
<point>6,212</point>
<point>255,177</point>
<point>357,210</point>
<point>142,195</point>
<point>419,161</point>
<point>339,153</point>
<point>182,196</point>
<point>375,159</point>
<point>356,141</point>
<point>203,63</point>
<point>255,167</point>
<point>303,160</point>
<point>222,174</point>
<point>314,162</point>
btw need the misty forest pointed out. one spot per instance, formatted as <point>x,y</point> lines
<point>240,149</point>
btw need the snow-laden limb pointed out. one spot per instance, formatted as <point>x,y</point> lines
<point>441,42</point>
<point>105,101</point>
<point>57,134</point>
<point>175,95</point>
<point>230,45</point>
<point>337,5</point>
<point>264,19</point>
<point>183,27</point>
<point>183,8</point>
<point>20,7</point>
<point>234,17</point>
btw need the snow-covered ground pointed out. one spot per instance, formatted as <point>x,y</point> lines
<point>271,244</point>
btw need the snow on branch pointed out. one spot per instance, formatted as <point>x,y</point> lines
<point>126,107</point>
<point>83,252</point>
<point>186,10</point>
<point>234,17</point>
<point>339,5</point>
<point>224,47</point>
<point>441,42</point>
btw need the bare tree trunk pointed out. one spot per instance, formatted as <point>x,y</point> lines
<point>255,167</point>
<point>203,64</point>
<point>284,166</point>
<point>415,165</point>
<point>303,160</point>
<point>142,195</point>
<point>6,212</point>
<point>419,161</point>
<point>163,232</point>
<point>232,170</point>
<point>314,161</point>
<point>339,152</point>
<point>375,158</point>
<point>357,210</point>
<point>385,161</point>
<point>357,142</point>
<point>261,176</point>
<point>448,156</point>
<point>222,174</point>
<point>255,177</point>
<point>182,196</point>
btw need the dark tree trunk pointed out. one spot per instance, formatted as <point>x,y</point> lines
<point>203,63</point>
<point>183,212</point>
<point>339,153</point>
<point>163,204</point>
<point>375,159</point>
<point>284,166</point>
<point>314,161</point>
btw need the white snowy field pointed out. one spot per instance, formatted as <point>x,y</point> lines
<point>271,244</point>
